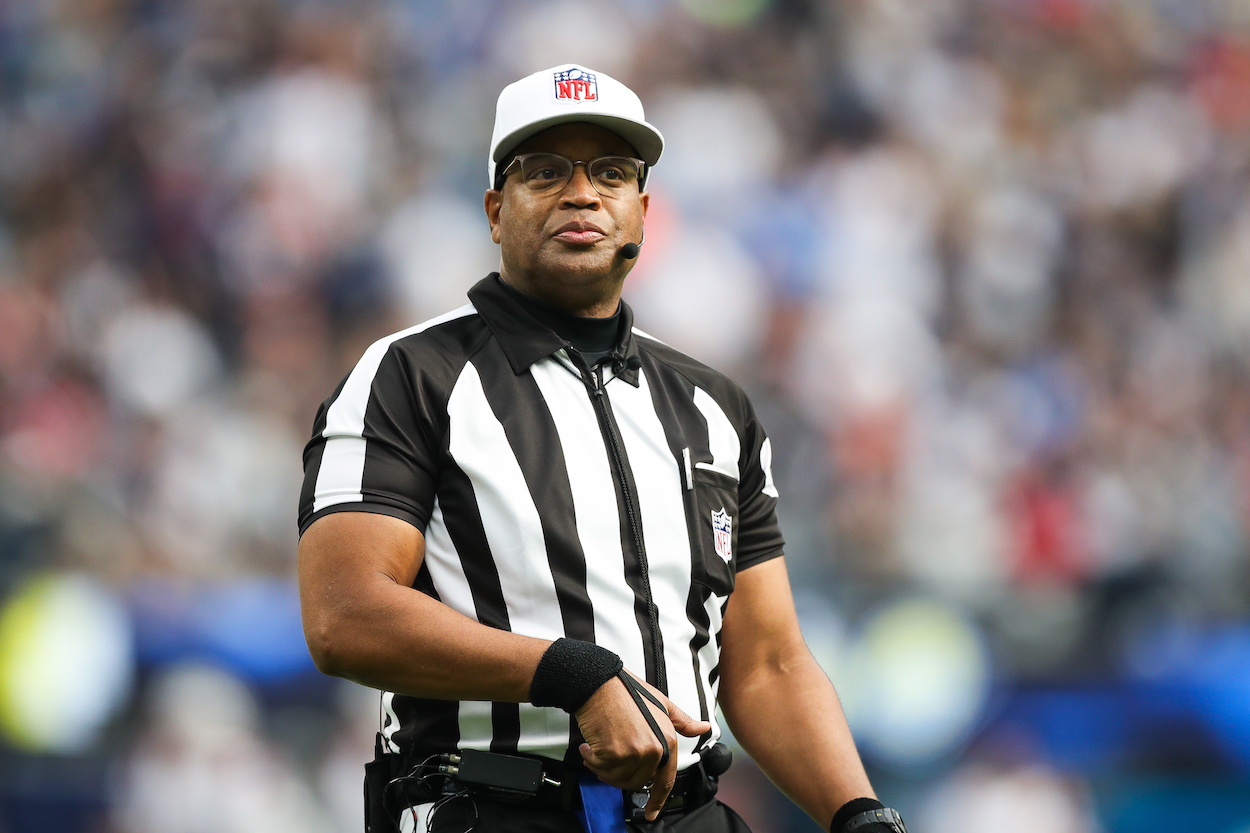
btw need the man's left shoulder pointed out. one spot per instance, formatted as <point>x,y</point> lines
<point>721,387</point>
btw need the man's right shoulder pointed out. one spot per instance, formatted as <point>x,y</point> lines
<point>451,337</point>
<point>432,353</point>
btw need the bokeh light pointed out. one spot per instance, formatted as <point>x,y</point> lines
<point>66,663</point>
<point>916,682</point>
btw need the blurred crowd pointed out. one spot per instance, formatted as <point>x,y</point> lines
<point>984,266</point>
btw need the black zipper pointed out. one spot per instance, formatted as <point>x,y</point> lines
<point>594,383</point>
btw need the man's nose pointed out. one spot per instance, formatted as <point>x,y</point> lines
<point>579,190</point>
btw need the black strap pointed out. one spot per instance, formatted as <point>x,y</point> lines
<point>887,816</point>
<point>638,691</point>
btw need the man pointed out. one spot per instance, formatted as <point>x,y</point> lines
<point>550,539</point>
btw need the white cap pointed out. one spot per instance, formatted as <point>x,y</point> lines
<point>569,93</point>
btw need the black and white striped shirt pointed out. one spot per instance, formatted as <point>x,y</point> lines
<point>613,506</point>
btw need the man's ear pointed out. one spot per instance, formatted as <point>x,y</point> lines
<point>645,199</point>
<point>493,203</point>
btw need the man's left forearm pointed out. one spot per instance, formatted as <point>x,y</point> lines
<point>780,705</point>
<point>790,721</point>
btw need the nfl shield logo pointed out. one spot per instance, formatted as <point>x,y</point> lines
<point>722,533</point>
<point>575,84</point>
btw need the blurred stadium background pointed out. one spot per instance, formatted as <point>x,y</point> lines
<point>983,264</point>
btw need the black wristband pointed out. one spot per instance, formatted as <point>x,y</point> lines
<point>570,671</point>
<point>850,810</point>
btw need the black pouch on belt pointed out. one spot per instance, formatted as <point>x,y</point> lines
<point>384,768</point>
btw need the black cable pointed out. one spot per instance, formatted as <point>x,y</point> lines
<point>422,780</point>
<point>443,802</point>
<point>638,691</point>
<point>406,779</point>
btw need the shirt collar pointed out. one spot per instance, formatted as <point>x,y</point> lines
<point>525,339</point>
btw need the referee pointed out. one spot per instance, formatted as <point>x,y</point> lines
<point>550,539</point>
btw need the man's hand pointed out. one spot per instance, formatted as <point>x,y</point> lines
<point>622,750</point>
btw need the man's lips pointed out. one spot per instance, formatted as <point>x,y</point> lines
<point>579,231</point>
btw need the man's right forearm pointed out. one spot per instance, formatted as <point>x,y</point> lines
<point>364,622</point>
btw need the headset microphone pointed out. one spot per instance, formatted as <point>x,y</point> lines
<point>630,250</point>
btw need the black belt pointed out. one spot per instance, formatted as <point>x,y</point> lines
<point>692,788</point>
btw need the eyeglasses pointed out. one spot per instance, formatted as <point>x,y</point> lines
<point>547,173</point>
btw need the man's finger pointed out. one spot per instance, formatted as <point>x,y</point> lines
<point>603,769</point>
<point>685,724</point>
<point>627,775</point>
<point>694,729</point>
<point>662,786</point>
<point>588,755</point>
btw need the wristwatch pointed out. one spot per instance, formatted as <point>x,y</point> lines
<point>885,815</point>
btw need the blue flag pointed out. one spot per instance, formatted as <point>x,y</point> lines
<point>603,806</point>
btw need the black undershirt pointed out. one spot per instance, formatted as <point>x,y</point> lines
<point>594,338</point>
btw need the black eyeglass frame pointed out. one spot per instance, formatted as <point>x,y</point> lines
<point>643,170</point>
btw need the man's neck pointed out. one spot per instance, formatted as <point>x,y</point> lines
<point>600,299</point>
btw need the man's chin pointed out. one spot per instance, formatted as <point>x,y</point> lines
<point>585,266</point>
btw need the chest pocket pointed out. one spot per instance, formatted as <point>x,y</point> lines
<point>712,516</point>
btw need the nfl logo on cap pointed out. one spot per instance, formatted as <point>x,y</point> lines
<point>576,84</point>
<point>722,533</point>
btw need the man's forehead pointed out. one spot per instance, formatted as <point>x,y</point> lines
<point>577,138</point>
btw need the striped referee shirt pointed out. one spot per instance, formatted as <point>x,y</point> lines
<point>613,505</point>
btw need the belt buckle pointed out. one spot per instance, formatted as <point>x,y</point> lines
<point>636,808</point>
<point>675,803</point>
